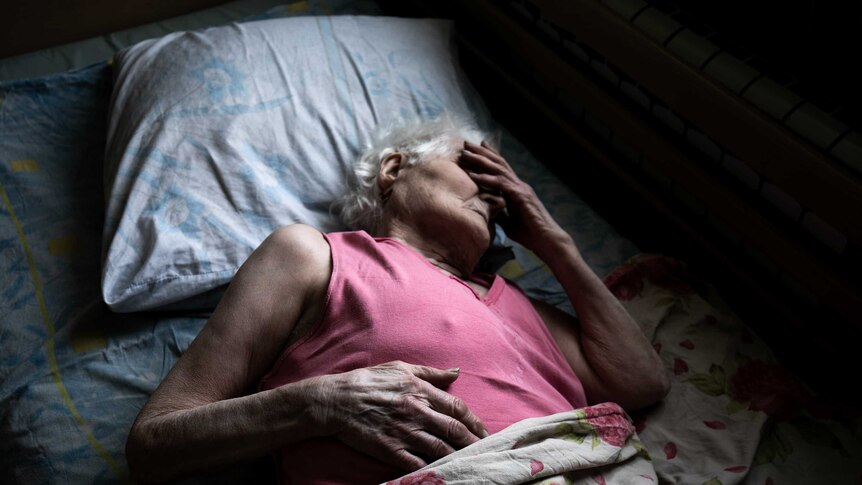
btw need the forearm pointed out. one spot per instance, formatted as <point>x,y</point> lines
<point>612,342</point>
<point>167,445</point>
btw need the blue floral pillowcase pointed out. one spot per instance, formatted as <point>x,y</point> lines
<point>218,137</point>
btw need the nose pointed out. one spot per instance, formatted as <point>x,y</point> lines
<point>495,201</point>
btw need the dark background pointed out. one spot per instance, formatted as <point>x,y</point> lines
<point>812,45</point>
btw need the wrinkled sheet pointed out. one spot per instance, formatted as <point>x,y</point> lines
<point>590,445</point>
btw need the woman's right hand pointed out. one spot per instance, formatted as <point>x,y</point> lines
<point>396,412</point>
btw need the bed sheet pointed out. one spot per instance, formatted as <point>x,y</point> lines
<point>72,381</point>
<point>73,375</point>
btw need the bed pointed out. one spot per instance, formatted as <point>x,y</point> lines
<point>707,280</point>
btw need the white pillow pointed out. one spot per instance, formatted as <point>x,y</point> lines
<point>218,137</point>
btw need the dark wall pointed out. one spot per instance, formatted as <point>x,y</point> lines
<point>36,24</point>
<point>815,42</point>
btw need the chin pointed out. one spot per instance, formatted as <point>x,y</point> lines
<point>483,241</point>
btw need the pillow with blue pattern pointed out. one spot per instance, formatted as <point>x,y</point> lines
<point>218,137</point>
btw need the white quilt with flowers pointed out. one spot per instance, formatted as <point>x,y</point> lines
<point>734,414</point>
<point>591,445</point>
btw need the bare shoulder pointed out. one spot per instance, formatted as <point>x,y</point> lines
<point>294,260</point>
<point>301,246</point>
<point>299,237</point>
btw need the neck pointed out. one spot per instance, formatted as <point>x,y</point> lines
<point>451,255</point>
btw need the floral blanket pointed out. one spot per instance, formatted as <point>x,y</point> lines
<point>592,445</point>
<point>734,414</point>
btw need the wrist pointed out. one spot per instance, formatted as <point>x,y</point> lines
<point>310,399</point>
<point>553,245</point>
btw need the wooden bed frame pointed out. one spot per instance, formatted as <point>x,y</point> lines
<point>524,77</point>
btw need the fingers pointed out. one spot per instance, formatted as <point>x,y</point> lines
<point>450,432</point>
<point>473,159</point>
<point>428,445</point>
<point>413,452</point>
<point>490,183</point>
<point>494,189</point>
<point>449,405</point>
<point>395,455</point>
<point>454,419</point>
<point>402,459</point>
<point>488,170</point>
<point>496,203</point>
<point>399,414</point>
<point>427,436</point>
<point>437,377</point>
<point>483,150</point>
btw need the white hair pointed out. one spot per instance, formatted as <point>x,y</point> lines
<point>417,141</point>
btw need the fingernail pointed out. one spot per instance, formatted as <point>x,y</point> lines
<point>485,433</point>
<point>455,370</point>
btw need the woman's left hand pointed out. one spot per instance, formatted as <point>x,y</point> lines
<point>525,219</point>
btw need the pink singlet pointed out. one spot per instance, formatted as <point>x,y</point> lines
<point>387,302</point>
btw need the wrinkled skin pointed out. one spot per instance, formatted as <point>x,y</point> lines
<point>397,413</point>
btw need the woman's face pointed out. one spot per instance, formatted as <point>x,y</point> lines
<point>439,197</point>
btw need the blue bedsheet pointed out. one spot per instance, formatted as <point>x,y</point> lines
<point>71,381</point>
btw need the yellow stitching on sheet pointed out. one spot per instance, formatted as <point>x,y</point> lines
<point>63,245</point>
<point>541,264</point>
<point>24,165</point>
<point>85,343</point>
<point>298,7</point>
<point>512,269</point>
<point>83,425</point>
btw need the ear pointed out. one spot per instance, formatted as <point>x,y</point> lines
<point>390,168</point>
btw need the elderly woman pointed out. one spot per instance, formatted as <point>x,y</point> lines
<point>358,356</point>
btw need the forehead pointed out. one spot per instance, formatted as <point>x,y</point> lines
<point>452,152</point>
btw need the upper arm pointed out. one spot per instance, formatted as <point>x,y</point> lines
<point>282,282</point>
<point>566,332</point>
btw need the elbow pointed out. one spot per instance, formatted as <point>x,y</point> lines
<point>655,390</point>
<point>661,388</point>
<point>136,454</point>
<point>140,447</point>
<point>645,392</point>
